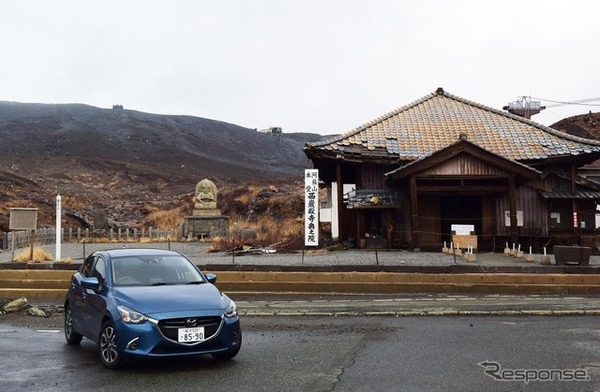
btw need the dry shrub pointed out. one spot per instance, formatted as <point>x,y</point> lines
<point>243,199</point>
<point>39,255</point>
<point>147,240</point>
<point>284,236</point>
<point>249,193</point>
<point>97,240</point>
<point>169,219</point>
<point>71,202</point>
<point>16,203</point>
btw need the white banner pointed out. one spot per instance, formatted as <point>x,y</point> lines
<point>311,207</point>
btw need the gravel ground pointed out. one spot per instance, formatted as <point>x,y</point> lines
<point>197,251</point>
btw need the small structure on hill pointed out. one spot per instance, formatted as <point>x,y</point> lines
<point>272,130</point>
<point>206,219</point>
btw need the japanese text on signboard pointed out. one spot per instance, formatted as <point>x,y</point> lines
<point>311,207</point>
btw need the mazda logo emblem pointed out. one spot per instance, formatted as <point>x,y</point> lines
<point>190,322</point>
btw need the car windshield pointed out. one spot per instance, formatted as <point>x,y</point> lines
<point>153,270</point>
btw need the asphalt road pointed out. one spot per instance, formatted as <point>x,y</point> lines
<point>333,354</point>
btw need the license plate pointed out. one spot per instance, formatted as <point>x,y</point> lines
<point>187,335</point>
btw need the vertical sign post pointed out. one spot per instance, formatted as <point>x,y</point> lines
<point>58,227</point>
<point>311,207</point>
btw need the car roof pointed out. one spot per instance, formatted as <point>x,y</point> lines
<point>123,252</point>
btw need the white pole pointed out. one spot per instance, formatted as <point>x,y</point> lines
<point>58,227</point>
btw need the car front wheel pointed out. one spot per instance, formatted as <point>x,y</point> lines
<point>109,355</point>
<point>71,336</point>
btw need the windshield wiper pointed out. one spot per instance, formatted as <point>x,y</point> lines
<point>196,282</point>
<point>157,284</point>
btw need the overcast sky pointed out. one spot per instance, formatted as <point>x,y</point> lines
<point>323,66</point>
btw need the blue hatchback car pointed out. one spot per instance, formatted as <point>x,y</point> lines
<point>149,303</point>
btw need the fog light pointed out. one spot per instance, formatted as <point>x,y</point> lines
<point>133,344</point>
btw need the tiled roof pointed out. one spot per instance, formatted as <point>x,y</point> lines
<point>437,121</point>
<point>560,193</point>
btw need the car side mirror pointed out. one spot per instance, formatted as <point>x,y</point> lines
<point>90,283</point>
<point>212,278</point>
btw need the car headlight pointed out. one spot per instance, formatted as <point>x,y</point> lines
<point>131,316</point>
<point>231,310</point>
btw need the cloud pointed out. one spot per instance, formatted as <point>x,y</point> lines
<point>307,66</point>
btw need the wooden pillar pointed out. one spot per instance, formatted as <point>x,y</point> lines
<point>414,211</point>
<point>340,203</point>
<point>359,219</point>
<point>514,230</point>
<point>576,237</point>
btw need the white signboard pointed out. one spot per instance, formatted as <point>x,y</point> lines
<point>311,207</point>
<point>519,218</point>
<point>462,229</point>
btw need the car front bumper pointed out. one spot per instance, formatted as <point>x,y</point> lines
<point>147,340</point>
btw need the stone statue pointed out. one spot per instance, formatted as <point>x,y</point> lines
<point>206,195</point>
<point>206,219</point>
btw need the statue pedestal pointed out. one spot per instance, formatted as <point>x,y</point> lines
<point>206,212</point>
<point>200,226</point>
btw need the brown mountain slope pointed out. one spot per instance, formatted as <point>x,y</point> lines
<point>112,166</point>
<point>583,125</point>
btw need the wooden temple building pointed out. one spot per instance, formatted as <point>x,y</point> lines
<point>415,176</point>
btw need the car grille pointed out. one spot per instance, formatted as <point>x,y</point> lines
<point>169,328</point>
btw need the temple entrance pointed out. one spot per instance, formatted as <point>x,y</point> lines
<point>460,210</point>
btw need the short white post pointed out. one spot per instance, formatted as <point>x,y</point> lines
<point>530,257</point>
<point>545,258</point>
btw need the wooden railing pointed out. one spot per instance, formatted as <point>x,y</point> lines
<point>21,239</point>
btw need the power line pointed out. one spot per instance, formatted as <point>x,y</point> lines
<point>582,102</point>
